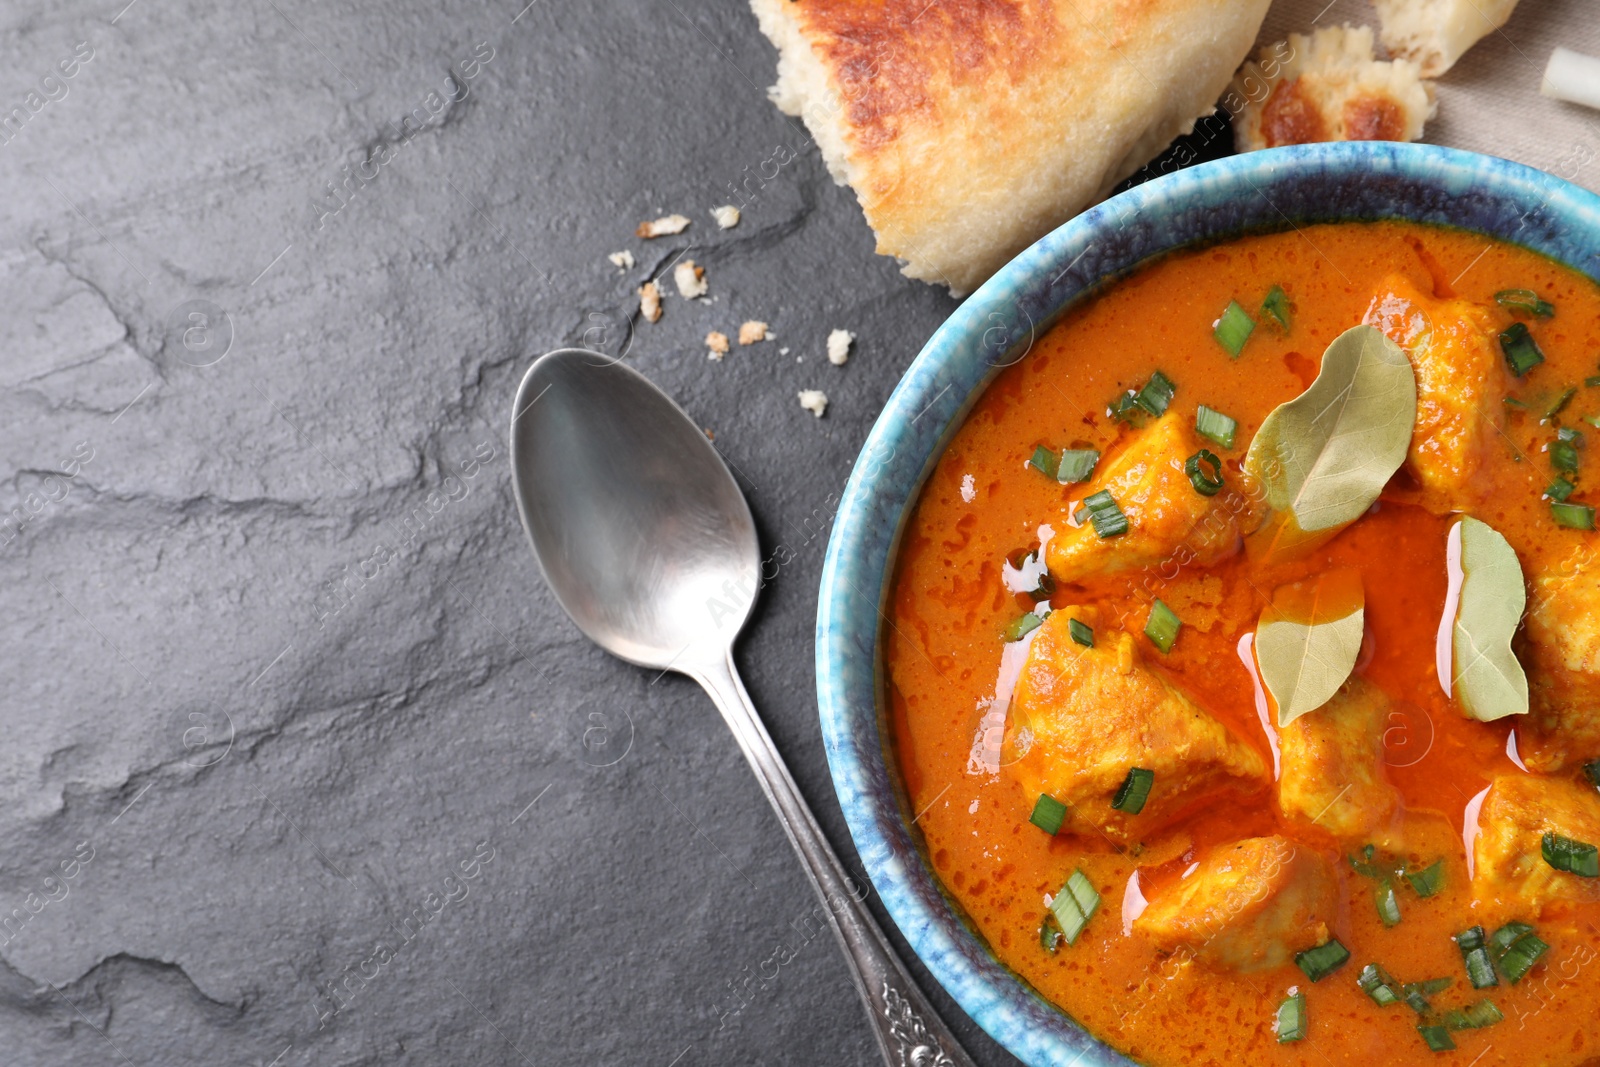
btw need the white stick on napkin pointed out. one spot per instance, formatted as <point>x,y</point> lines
<point>1572,76</point>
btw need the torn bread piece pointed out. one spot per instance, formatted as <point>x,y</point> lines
<point>650,302</point>
<point>752,331</point>
<point>717,345</point>
<point>665,226</point>
<point>690,279</point>
<point>726,216</point>
<point>1329,87</point>
<point>1434,33</point>
<point>621,260</point>
<point>814,401</point>
<point>839,342</point>
<point>970,129</point>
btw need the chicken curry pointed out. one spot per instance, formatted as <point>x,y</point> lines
<point>1243,656</point>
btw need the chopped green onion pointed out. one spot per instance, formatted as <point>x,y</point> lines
<point>1365,866</point>
<point>1017,629</point>
<point>1234,328</point>
<point>1573,516</point>
<point>1204,484</point>
<point>1574,857</point>
<point>1559,403</point>
<point>1388,903</point>
<point>1048,814</point>
<point>1591,771</point>
<point>1513,402</point>
<point>1376,983</point>
<point>1559,490</point>
<point>1480,968</point>
<point>1521,352</point>
<point>1521,958</point>
<point>1323,960</point>
<point>1046,586</point>
<point>1473,1016</point>
<point>1277,305</point>
<point>1437,1036</point>
<point>1076,465</point>
<point>1215,427</point>
<point>1081,633</point>
<point>1044,461</point>
<point>1157,394</point>
<point>1525,300</point>
<point>1430,986</point>
<point>1050,936</point>
<point>1506,936</point>
<point>1593,420</point>
<point>1429,881</point>
<point>1162,626</point>
<point>1075,905</point>
<point>1515,948</point>
<point>1134,791</point>
<point>1592,381</point>
<point>1564,456</point>
<point>1570,436</point>
<point>1126,408</point>
<point>1108,519</point>
<point>1416,994</point>
<point>1291,1022</point>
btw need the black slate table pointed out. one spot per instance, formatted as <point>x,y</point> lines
<point>301,762</point>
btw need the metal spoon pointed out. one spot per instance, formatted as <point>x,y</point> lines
<point>650,547</point>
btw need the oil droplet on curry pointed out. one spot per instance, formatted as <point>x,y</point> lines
<point>1094,652</point>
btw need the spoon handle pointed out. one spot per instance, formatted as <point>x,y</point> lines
<point>909,1031</point>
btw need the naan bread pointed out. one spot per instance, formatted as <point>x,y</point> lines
<point>1328,87</point>
<point>970,128</point>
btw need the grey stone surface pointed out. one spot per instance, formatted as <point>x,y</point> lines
<point>302,764</point>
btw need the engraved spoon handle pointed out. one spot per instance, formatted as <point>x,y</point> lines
<point>910,1033</point>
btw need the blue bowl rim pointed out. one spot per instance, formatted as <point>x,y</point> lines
<point>860,557</point>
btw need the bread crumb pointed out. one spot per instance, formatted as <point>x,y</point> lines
<point>690,279</point>
<point>839,342</point>
<point>717,343</point>
<point>969,488</point>
<point>622,260</point>
<point>752,331</point>
<point>650,301</point>
<point>665,226</point>
<point>783,351</point>
<point>814,401</point>
<point>727,216</point>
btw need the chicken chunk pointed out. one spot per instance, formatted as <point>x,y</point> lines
<point>1510,874</point>
<point>1452,345</point>
<point>1248,906</point>
<point>1332,766</point>
<point>1082,718</point>
<point>1168,522</point>
<point>1564,669</point>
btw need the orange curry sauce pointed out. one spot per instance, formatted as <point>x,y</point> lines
<point>949,609</point>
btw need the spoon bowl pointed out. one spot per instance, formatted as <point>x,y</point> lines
<point>635,520</point>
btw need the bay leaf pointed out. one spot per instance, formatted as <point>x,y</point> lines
<point>1322,458</point>
<point>1308,639</point>
<point>1486,678</point>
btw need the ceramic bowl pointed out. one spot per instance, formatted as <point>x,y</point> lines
<point>1257,192</point>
